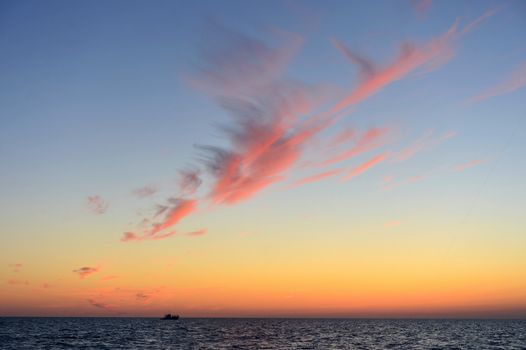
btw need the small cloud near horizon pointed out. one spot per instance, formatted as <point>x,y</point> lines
<point>197,233</point>
<point>16,282</point>
<point>99,305</point>
<point>86,271</point>
<point>16,267</point>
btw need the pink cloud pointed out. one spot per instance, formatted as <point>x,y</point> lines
<point>274,121</point>
<point>164,235</point>
<point>372,79</point>
<point>180,209</point>
<point>266,138</point>
<point>174,211</point>
<point>268,135</point>
<point>197,233</point>
<point>366,166</point>
<point>267,141</point>
<point>513,82</point>
<point>470,164</point>
<point>129,236</point>
<point>86,271</point>
<point>146,191</point>
<point>427,140</point>
<point>372,138</point>
<point>317,177</point>
<point>96,204</point>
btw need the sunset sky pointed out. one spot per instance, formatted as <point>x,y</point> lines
<point>263,158</point>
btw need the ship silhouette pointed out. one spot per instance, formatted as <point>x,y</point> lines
<point>170,317</point>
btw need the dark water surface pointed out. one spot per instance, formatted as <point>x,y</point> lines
<point>147,333</point>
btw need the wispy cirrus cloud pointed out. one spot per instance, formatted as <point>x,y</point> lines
<point>163,235</point>
<point>429,56</point>
<point>477,21</point>
<point>189,181</point>
<point>369,140</point>
<point>267,134</point>
<point>86,271</point>
<point>392,182</point>
<point>179,209</point>
<point>275,121</point>
<point>197,233</point>
<point>267,142</point>
<point>427,140</point>
<point>232,63</point>
<point>146,191</point>
<point>515,81</point>
<point>174,212</point>
<point>469,164</point>
<point>316,177</point>
<point>366,166</point>
<point>96,204</point>
<point>415,147</point>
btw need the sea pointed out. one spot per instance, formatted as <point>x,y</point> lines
<point>241,333</point>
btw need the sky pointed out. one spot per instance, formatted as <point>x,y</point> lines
<point>263,159</point>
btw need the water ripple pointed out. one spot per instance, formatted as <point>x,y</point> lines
<point>283,334</point>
